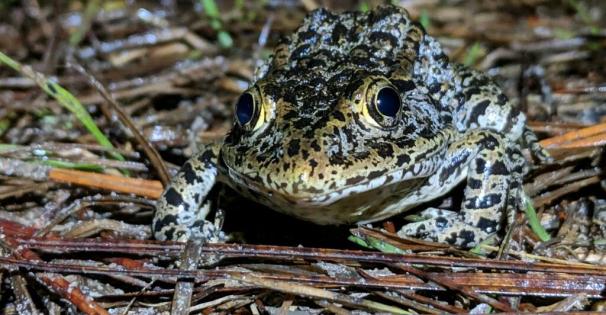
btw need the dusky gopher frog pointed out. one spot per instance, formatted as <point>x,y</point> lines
<point>357,117</point>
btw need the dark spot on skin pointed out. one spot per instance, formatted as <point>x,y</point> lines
<point>435,88</point>
<point>383,39</point>
<point>300,51</point>
<point>442,58</point>
<point>338,115</point>
<point>472,90</point>
<point>290,115</point>
<point>178,234</point>
<point>349,135</point>
<point>305,154</point>
<point>511,120</point>
<point>487,225</point>
<point>321,176</point>
<point>189,174</point>
<point>316,63</point>
<point>468,238</point>
<point>173,197</point>
<point>404,85</point>
<point>166,220</point>
<point>339,32</point>
<point>375,174</point>
<point>480,165</point>
<point>361,155</point>
<point>441,223</point>
<point>452,239</point>
<point>483,202</point>
<point>354,180</point>
<point>207,158</point>
<point>314,145</point>
<point>474,183</point>
<point>499,168</point>
<point>169,234</point>
<point>313,163</point>
<point>489,142</point>
<point>403,159</point>
<point>384,150</point>
<point>336,160</point>
<point>478,110</point>
<point>293,147</point>
<point>451,169</point>
<point>307,35</point>
<point>420,229</point>
<point>302,122</point>
<point>501,99</point>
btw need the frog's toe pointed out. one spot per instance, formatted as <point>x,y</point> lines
<point>203,230</point>
<point>447,227</point>
<point>536,150</point>
<point>432,212</point>
<point>207,231</point>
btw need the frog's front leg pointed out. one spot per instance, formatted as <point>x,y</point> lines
<point>480,103</point>
<point>182,209</point>
<point>483,156</point>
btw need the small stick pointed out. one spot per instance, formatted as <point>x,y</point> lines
<point>141,187</point>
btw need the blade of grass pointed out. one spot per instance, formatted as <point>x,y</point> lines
<point>473,53</point>
<point>72,165</point>
<point>371,242</point>
<point>65,98</point>
<point>424,19</point>
<point>92,7</point>
<point>212,11</point>
<point>533,220</point>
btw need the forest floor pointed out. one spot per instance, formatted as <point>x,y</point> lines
<point>102,101</point>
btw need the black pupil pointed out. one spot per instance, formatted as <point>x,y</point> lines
<point>388,102</point>
<point>245,108</point>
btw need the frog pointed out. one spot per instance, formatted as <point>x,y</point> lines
<point>357,117</point>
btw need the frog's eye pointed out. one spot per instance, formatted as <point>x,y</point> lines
<point>251,112</point>
<point>387,102</point>
<point>245,109</point>
<point>383,103</point>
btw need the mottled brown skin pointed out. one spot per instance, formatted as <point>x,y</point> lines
<point>317,147</point>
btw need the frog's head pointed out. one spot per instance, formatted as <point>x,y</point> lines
<point>335,112</point>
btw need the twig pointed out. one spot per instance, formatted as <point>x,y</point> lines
<point>173,249</point>
<point>73,294</point>
<point>141,187</point>
<point>184,288</point>
<point>150,151</point>
<point>571,137</point>
<point>467,291</point>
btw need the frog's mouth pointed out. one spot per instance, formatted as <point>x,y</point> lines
<point>299,194</point>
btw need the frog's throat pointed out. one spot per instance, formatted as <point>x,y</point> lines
<point>312,197</point>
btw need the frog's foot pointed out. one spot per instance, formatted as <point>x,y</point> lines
<point>530,140</point>
<point>182,209</point>
<point>186,228</point>
<point>464,229</point>
<point>494,168</point>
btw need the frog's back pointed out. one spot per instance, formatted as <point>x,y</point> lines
<point>331,51</point>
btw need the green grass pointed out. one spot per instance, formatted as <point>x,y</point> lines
<point>473,53</point>
<point>65,99</point>
<point>212,11</point>
<point>533,220</point>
